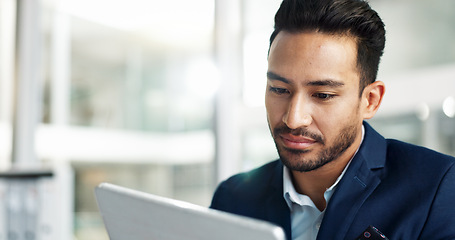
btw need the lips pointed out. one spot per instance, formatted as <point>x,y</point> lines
<point>297,142</point>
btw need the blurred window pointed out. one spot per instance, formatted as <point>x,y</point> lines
<point>138,81</point>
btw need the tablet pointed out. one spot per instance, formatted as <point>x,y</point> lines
<point>131,214</point>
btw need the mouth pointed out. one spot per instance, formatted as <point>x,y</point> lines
<point>297,142</point>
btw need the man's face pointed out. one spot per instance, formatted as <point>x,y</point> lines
<point>312,99</point>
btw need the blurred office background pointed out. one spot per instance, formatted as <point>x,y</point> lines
<point>167,97</point>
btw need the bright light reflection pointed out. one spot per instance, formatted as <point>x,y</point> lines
<point>202,78</point>
<point>255,68</point>
<point>449,107</point>
<point>423,111</point>
<point>177,20</point>
<point>133,14</point>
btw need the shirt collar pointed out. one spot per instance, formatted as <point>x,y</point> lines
<point>292,196</point>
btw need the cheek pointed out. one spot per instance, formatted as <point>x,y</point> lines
<point>331,120</point>
<point>274,112</point>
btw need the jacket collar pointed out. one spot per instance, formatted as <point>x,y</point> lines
<point>360,180</point>
<point>373,149</point>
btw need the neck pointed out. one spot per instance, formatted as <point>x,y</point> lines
<point>315,183</point>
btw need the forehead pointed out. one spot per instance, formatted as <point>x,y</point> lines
<point>314,55</point>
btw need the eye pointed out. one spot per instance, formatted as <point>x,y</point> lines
<point>323,96</point>
<point>278,91</point>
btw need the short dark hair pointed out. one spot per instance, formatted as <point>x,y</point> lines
<point>345,17</point>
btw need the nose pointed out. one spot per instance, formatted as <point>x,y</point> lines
<point>298,113</point>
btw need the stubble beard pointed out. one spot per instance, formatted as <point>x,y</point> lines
<point>293,159</point>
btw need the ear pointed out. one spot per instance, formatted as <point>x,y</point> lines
<point>372,98</point>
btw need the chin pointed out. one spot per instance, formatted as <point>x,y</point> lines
<point>294,160</point>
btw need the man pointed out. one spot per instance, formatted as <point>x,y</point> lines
<point>337,178</point>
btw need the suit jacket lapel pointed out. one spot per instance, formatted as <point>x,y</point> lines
<point>360,180</point>
<point>277,210</point>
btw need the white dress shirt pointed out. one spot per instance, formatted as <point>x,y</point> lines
<point>306,218</point>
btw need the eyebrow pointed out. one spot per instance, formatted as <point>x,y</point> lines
<point>274,76</point>
<point>325,82</point>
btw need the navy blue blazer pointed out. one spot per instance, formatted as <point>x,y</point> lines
<point>406,191</point>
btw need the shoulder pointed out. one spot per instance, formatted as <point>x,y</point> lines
<point>418,156</point>
<point>248,186</point>
<point>255,176</point>
<point>418,165</point>
<point>255,179</point>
